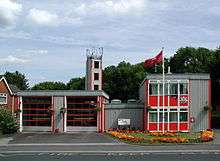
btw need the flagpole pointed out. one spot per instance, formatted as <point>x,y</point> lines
<point>163,88</point>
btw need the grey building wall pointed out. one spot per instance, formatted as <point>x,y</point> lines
<point>132,111</point>
<point>58,104</point>
<point>199,98</point>
<point>142,92</point>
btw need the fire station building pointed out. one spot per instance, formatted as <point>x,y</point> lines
<point>186,106</point>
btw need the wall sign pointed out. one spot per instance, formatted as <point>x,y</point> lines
<point>124,121</point>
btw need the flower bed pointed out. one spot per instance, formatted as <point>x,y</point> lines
<point>159,137</point>
<point>207,135</point>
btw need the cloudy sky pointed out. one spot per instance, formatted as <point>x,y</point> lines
<point>47,39</point>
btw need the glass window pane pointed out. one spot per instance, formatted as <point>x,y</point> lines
<point>165,89</point>
<point>183,116</point>
<point>2,99</point>
<point>153,89</point>
<point>183,88</point>
<point>173,89</point>
<point>153,117</point>
<point>165,117</point>
<point>173,117</point>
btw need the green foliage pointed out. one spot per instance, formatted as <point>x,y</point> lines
<point>7,122</point>
<point>18,79</point>
<point>50,86</point>
<point>122,81</point>
<point>76,84</point>
<point>192,60</point>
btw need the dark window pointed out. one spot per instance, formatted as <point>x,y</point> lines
<point>183,116</point>
<point>173,116</point>
<point>153,116</point>
<point>165,89</point>
<point>183,88</point>
<point>96,64</point>
<point>153,89</point>
<point>173,89</point>
<point>96,76</point>
<point>96,87</point>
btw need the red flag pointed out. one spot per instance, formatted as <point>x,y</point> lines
<point>157,59</point>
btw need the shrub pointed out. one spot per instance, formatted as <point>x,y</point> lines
<point>8,123</point>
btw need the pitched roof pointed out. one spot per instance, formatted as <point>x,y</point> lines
<point>3,79</point>
<point>14,88</point>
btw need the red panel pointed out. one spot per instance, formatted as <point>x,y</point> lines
<point>80,109</point>
<point>161,126</point>
<point>185,100</point>
<point>152,127</point>
<point>36,120</point>
<point>173,101</point>
<point>84,120</point>
<point>165,100</point>
<point>153,100</point>
<point>36,115</point>
<point>183,126</point>
<point>81,114</point>
<point>173,126</point>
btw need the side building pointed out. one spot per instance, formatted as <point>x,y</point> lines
<point>62,111</point>
<point>186,104</point>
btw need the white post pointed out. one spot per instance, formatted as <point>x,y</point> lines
<point>21,112</point>
<point>163,88</point>
<point>65,113</point>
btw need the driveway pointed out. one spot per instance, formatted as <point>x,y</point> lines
<point>67,138</point>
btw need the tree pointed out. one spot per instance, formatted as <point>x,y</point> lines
<point>122,82</point>
<point>192,60</point>
<point>76,84</point>
<point>18,79</point>
<point>49,86</point>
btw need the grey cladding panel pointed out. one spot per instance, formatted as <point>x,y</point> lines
<point>199,99</point>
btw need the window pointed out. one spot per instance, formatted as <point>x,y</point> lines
<point>183,88</point>
<point>96,87</point>
<point>96,76</point>
<point>173,89</point>
<point>153,115</point>
<point>161,116</point>
<point>3,98</point>
<point>183,116</point>
<point>173,116</point>
<point>153,89</point>
<point>165,89</point>
<point>96,64</point>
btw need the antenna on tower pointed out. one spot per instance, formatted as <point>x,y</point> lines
<point>95,52</point>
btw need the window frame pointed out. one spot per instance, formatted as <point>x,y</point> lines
<point>6,98</point>
<point>95,76</point>
<point>96,86</point>
<point>96,63</point>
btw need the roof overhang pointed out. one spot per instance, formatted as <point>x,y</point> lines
<point>82,93</point>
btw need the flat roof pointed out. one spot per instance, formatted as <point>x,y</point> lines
<point>62,93</point>
<point>176,76</point>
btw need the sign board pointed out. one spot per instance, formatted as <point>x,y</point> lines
<point>124,121</point>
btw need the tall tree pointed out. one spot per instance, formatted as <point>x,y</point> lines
<point>18,79</point>
<point>122,82</point>
<point>192,60</point>
<point>50,86</point>
<point>76,84</point>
